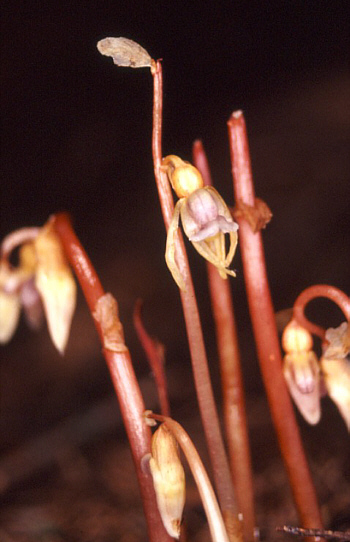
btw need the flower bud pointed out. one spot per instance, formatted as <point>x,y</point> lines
<point>296,338</point>
<point>168,479</point>
<point>302,374</point>
<point>55,283</point>
<point>184,177</point>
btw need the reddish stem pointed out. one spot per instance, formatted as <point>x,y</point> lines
<point>319,290</point>
<point>154,352</point>
<point>122,374</point>
<point>200,368</point>
<point>265,332</point>
<point>231,378</point>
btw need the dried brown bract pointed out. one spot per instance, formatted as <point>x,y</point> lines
<point>125,52</point>
<point>258,216</point>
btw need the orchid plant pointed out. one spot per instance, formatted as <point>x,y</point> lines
<point>43,283</point>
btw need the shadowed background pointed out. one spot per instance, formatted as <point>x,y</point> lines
<point>77,136</point>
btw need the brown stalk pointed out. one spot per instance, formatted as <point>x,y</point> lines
<point>319,290</point>
<point>231,378</point>
<point>207,407</point>
<point>265,332</point>
<point>155,355</point>
<point>122,374</point>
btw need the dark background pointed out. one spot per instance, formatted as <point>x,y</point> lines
<point>77,136</point>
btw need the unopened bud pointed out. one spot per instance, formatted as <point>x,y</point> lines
<point>296,338</point>
<point>184,177</point>
<point>55,283</point>
<point>302,374</point>
<point>168,479</point>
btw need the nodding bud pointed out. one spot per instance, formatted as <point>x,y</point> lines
<point>296,338</point>
<point>302,371</point>
<point>184,177</point>
<point>55,283</point>
<point>168,479</point>
<point>336,375</point>
<point>302,374</point>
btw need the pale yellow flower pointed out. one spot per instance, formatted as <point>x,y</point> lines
<point>205,219</point>
<point>42,281</point>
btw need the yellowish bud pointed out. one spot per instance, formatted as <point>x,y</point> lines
<point>168,479</point>
<point>302,374</point>
<point>336,374</point>
<point>184,177</point>
<point>302,371</point>
<point>296,338</point>
<point>10,308</point>
<point>55,283</point>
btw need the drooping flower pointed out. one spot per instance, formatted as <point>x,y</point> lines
<point>41,281</point>
<point>302,371</point>
<point>205,219</point>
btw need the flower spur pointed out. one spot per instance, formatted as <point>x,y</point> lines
<point>205,219</point>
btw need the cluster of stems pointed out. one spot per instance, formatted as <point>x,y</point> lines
<point>232,473</point>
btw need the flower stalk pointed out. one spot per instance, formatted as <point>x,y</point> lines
<point>319,290</point>
<point>155,354</point>
<point>231,378</point>
<point>103,307</point>
<point>207,407</point>
<point>265,332</point>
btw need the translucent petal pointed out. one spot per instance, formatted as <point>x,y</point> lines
<point>56,286</point>
<point>10,308</point>
<point>170,247</point>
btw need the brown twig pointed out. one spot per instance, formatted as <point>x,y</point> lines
<point>121,370</point>
<point>200,368</point>
<point>319,290</point>
<point>155,354</point>
<point>231,378</point>
<point>265,332</point>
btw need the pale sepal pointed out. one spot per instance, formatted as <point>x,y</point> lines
<point>168,479</point>
<point>10,309</point>
<point>302,374</point>
<point>55,283</point>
